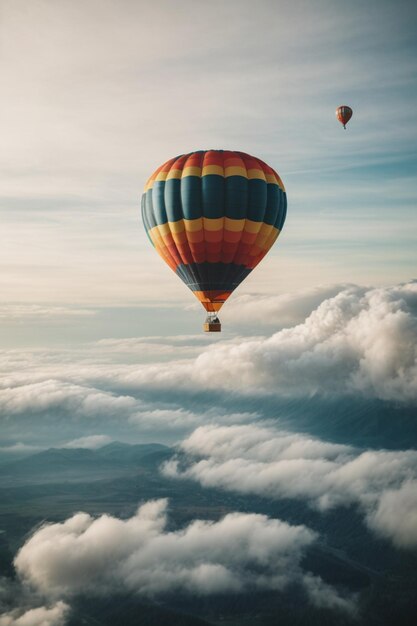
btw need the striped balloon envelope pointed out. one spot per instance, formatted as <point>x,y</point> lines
<point>212,216</point>
<point>343,114</point>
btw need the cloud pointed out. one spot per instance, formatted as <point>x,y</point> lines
<point>19,447</point>
<point>23,312</point>
<point>56,395</point>
<point>91,442</point>
<point>97,555</point>
<point>153,348</point>
<point>171,419</point>
<point>80,394</point>
<point>322,595</point>
<point>54,615</point>
<point>286,309</point>
<point>356,342</point>
<point>160,342</point>
<point>395,516</point>
<point>259,460</point>
<point>359,343</point>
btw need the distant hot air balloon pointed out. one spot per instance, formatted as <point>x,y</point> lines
<point>343,114</point>
<point>212,216</point>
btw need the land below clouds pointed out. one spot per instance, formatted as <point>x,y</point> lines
<point>114,479</point>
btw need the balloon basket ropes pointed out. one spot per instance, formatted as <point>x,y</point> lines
<point>212,324</point>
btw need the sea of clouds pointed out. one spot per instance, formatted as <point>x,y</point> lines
<point>238,553</point>
<point>357,342</point>
<point>266,461</point>
<point>354,343</point>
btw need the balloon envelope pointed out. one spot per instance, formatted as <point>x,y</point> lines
<point>343,114</point>
<point>212,216</point>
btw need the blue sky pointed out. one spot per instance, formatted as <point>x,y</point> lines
<point>309,393</point>
<point>100,93</point>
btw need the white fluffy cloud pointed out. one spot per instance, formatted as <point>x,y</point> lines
<point>236,553</point>
<point>155,347</point>
<point>360,342</point>
<point>41,616</point>
<point>395,516</point>
<point>260,460</point>
<point>84,398</point>
<point>285,309</point>
<point>57,395</point>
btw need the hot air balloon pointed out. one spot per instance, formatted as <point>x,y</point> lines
<point>212,215</point>
<point>343,114</point>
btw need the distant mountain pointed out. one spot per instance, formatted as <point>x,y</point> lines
<point>76,463</point>
<point>130,452</point>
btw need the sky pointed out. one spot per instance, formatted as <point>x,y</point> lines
<point>100,93</point>
<point>100,341</point>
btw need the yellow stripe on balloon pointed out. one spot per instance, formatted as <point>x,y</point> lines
<point>255,173</point>
<point>213,224</point>
<point>252,227</point>
<point>179,237</point>
<point>158,234</point>
<point>280,183</point>
<point>193,225</point>
<point>213,169</point>
<point>191,171</point>
<point>149,183</point>
<point>270,239</point>
<point>177,227</point>
<point>152,238</point>
<point>161,176</point>
<point>263,234</point>
<point>164,229</point>
<point>154,234</point>
<point>235,170</point>
<point>235,226</point>
<point>271,179</point>
<point>174,174</point>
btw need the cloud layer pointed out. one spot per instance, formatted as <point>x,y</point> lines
<point>285,309</point>
<point>359,343</point>
<point>235,554</point>
<point>265,461</point>
<point>40,616</point>
<point>356,342</point>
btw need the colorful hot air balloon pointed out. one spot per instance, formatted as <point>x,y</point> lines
<point>212,216</point>
<point>343,114</point>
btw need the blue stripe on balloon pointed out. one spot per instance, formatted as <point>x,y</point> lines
<point>282,213</point>
<point>257,199</point>
<point>191,197</point>
<point>173,204</point>
<point>144,218</point>
<point>212,187</point>
<point>158,201</point>
<point>213,196</point>
<point>272,204</point>
<point>148,209</point>
<point>236,197</point>
<point>212,276</point>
